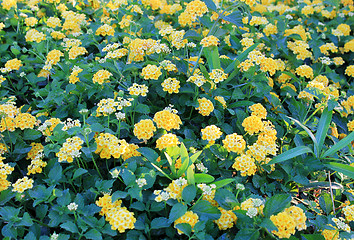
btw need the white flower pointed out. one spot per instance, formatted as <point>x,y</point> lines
<point>181,181</point>
<point>54,236</point>
<point>72,206</point>
<point>201,167</point>
<point>257,202</point>
<point>289,17</point>
<point>341,224</point>
<point>22,74</point>
<point>141,182</point>
<point>115,173</point>
<point>252,212</point>
<point>240,186</point>
<point>120,116</point>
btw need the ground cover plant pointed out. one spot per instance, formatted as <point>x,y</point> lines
<point>182,119</point>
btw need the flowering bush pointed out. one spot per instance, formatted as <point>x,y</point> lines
<point>192,119</point>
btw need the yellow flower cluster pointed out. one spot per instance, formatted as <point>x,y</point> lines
<point>300,48</point>
<point>211,133</point>
<point>193,10</point>
<point>350,71</point>
<point>226,220</point>
<point>53,57</point>
<point>8,4</point>
<point>7,123</point>
<point>5,170</point>
<point>167,140</point>
<point>171,85</point>
<point>234,143</point>
<point>36,166</point>
<point>330,234</point>
<point>245,164</point>
<point>144,129</point>
<point>73,78</point>
<point>218,75</point>
<point>13,64</point>
<point>70,149</point>
<point>131,151</point>
<point>101,76</point>
<point>137,90</point>
<point>325,48</point>
<point>258,110</point>
<point>25,120</point>
<point>304,71</point>
<point>270,29</point>
<point>31,21</point>
<point>210,41</point>
<point>22,184</point>
<point>109,146</point>
<point>189,217</point>
<point>35,150</point>
<point>205,106</point>
<point>221,100</point>
<point>167,120</point>
<point>75,51</point>
<point>53,22</point>
<point>33,35</point>
<point>286,221</point>
<point>118,217</point>
<point>105,30</point>
<point>252,124</point>
<point>176,187</point>
<point>48,126</point>
<point>151,72</point>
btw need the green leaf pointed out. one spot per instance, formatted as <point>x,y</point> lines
<point>190,175</point>
<point>215,59</point>
<point>160,222</point>
<point>189,193</point>
<point>184,160</point>
<point>128,176</point>
<point>79,172</point>
<point>310,134</point>
<point>322,128</point>
<point>276,204</point>
<point>247,234</point>
<point>195,156</point>
<point>342,168</point>
<point>150,154</point>
<point>325,202</point>
<point>70,226</point>
<point>26,220</point>
<point>240,58</point>
<point>235,18</point>
<point>93,234</point>
<point>294,152</point>
<point>161,171</point>
<point>31,134</point>
<point>339,145</point>
<point>203,178</point>
<point>177,211</point>
<point>210,4</point>
<point>205,210</point>
<point>224,182</point>
<point>142,108</point>
<point>312,237</point>
<point>219,151</point>
<point>186,228</point>
<point>96,127</point>
<point>56,172</point>
<point>171,163</point>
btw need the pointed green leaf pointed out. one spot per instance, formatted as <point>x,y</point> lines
<point>339,145</point>
<point>294,152</point>
<point>343,168</point>
<point>190,175</point>
<point>189,193</point>
<point>160,170</point>
<point>203,178</point>
<point>172,164</point>
<point>177,211</point>
<point>276,204</point>
<point>195,156</point>
<point>150,154</point>
<point>224,182</point>
<point>309,133</point>
<point>323,126</point>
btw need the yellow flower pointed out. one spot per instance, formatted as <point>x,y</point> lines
<point>13,64</point>
<point>285,224</point>
<point>101,76</point>
<point>234,143</point>
<point>144,129</point>
<point>167,120</point>
<point>211,133</point>
<point>252,124</point>
<point>205,106</point>
<point>167,140</point>
<point>189,217</point>
<point>151,72</point>
<point>210,41</point>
